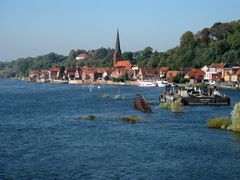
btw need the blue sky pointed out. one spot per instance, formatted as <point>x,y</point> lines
<point>36,27</point>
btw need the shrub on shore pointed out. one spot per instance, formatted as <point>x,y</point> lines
<point>177,106</point>
<point>235,126</point>
<point>219,122</point>
<point>131,119</point>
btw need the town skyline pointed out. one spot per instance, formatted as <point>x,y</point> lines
<point>65,25</point>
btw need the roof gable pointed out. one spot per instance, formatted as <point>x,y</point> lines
<point>218,65</point>
<point>125,63</point>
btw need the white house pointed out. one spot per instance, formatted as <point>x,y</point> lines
<point>205,69</point>
<point>81,56</point>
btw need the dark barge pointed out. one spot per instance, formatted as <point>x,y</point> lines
<point>140,104</point>
<point>195,96</point>
<point>206,100</point>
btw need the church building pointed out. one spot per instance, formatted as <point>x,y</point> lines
<point>118,61</point>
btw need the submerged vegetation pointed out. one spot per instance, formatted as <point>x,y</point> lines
<point>90,117</point>
<point>177,106</point>
<point>119,97</point>
<point>105,95</point>
<point>131,119</point>
<point>166,105</point>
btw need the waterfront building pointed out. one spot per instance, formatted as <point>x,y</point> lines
<point>82,56</point>
<point>54,73</point>
<point>70,73</point>
<point>33,75</point>
<point>44,76</point>
<point>195,76</point>
<point>146,74</point>
<point>162,72</point>
<point>87,73</point>
<point>217,71</point>
<point>135,70</point>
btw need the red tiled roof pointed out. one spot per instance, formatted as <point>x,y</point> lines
<point>147,71</point>
<point>109,71</point>
<point>71,70</point>
<point>238,72</point>
<point>83,55</point>
<point>119,72</point>
<point>125,63</point>
<point>54,69</point>
<point>101,69</point>
<point>44,71</point>
<point>84,67</point>
<point>216,77</point>
<point>34,71</point>
<point>163,69</point>
<point>171,74</point>
<point>195,73</point>
<point>218,65</point>
<point>234,70</point>
<point>88,71</point>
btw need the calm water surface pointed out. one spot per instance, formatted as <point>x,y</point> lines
<point>42,137</point>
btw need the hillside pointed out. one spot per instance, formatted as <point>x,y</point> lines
<point>219,43</point>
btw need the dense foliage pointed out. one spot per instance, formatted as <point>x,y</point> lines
<point>219,43</point>
<point>21,66</point>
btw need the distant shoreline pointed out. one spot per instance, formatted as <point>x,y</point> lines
<point>126,83</point>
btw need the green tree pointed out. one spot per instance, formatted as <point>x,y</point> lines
<point>187,40</point>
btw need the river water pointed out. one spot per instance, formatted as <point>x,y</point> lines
<point>42,136</point>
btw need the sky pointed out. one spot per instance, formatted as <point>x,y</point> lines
<point>29,28</point>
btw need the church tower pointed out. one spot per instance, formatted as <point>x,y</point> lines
<point>117,53</point>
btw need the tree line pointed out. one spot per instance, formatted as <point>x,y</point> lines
<point>219,43</point>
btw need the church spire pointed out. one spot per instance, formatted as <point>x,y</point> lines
<point>117,53</point>
<point>117,46</point>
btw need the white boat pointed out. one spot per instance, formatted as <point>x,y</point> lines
<point>161,83</point>
<point>146,84</point>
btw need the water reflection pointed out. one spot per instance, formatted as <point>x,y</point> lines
<point>236,136</point>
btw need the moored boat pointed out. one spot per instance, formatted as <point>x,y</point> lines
<point>146,84</point>
<point>161,83</point>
